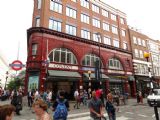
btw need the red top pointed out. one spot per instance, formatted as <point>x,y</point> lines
<point>98,93</point>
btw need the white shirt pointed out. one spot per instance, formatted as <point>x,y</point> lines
<point>76,93</point>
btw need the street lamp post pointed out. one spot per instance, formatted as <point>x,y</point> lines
<point>99,54</point>
<point>147,55</point>
<point>90,84</point>
<point>6,79</point>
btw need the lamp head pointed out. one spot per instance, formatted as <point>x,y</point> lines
<point>89,72</point>
<point>146,55</point>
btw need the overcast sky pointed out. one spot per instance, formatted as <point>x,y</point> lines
<point>16,18</point>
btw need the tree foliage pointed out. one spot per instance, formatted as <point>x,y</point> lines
<point>16,82</point>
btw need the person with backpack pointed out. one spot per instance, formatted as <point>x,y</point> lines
<point>61,107</point>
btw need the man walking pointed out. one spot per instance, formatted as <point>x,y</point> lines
<point>95,106</point>
<point>77,98</point>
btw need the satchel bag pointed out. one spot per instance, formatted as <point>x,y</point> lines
<point>19,107</point>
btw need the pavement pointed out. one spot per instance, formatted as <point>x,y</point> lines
<point>74,114</point>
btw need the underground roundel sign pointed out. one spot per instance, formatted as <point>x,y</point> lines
<point>16,65</point>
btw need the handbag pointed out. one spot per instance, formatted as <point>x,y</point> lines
<point>19,107</point>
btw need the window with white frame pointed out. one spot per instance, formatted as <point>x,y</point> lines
<point>84,18</point>
<point>144,43</point>
<point>55,25</point>
<point>38,22</point>
<point>96,22</point>
<point>140,53</point>
<point>106,26</point>
<point>85,3</point>
<point>55,7</point>
<point>136,53</point>
<point>39,4</point>
<point>74,0</point>
<point>85,34</point>
<point>134,40</point>
<point>142,69</point>
<point>71,12</point>
<point>114,63</point>
<point>95,8</point>
<point>123,33</point>
<point>153,46</point>
<point>105,13</point>
<point>113,17</point>
<point>114,30</point>
<point>96,37</point>
<point>34,48</point>
<point>125,45</point>
<point>122,20</point>
<point>90,59</point>
<point>116,43</point>
<point>62,55</point>
<point>107,40</point>
<point>71,30</point>
<point>139,41</point>
<point>155,58</point>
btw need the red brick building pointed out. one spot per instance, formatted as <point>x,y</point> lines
<point>73,35</point>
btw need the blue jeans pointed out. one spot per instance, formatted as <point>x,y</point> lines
<point>112,116</point>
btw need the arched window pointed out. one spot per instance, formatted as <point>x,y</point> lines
<point>62,55</point>
<point>90,59</point>
<point>115,64</point>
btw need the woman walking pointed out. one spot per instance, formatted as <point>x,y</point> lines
<point>40,108</point>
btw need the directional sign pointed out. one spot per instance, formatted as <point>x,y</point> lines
<point>16,65</point>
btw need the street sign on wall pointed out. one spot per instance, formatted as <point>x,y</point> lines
<point>16,65</point>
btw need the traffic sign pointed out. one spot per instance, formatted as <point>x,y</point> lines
<point>16,65</point>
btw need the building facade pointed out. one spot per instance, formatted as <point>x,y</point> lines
<point>4,67</point>
<point>139,45</point>
<point>154,51</point>
<point>66,40</point>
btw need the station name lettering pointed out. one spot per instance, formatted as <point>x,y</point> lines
<point>60,66</point>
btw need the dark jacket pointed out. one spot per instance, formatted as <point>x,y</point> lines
<point>110,107</point>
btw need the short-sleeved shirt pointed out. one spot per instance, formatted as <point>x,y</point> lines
<point>96,105</point>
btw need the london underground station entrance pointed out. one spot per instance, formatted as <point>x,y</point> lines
<point>69,81</point>
<point>63,80</point>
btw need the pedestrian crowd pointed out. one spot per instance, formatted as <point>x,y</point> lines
<point>40,102</point>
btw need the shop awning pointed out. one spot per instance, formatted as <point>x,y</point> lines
<point>93,76</point>
<point>131,78</point>
<point>58,73</point>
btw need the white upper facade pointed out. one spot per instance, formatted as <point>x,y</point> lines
<point>4,67</point>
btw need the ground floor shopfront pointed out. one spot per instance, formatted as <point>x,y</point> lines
<point>69,81</point>
<point>143,84</point>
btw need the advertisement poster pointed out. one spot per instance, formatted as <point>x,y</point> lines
<point>33,82</point>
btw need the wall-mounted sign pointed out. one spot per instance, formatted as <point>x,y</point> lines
<point>115,71</point>
<point>33,82</point>
<point>61,66</point>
